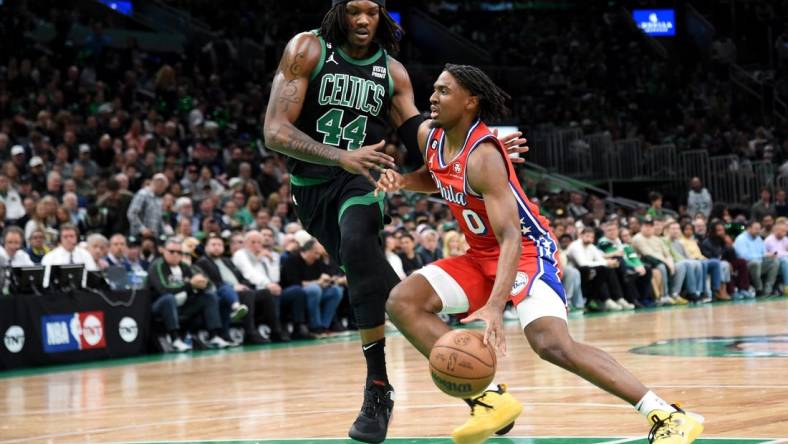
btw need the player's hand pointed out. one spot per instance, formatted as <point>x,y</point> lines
<point>514,144</point>
<point>364,159</point>
<point>390,182</point>
<point>493,318</point>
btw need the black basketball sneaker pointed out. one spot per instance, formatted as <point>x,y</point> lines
<point>373,420</point>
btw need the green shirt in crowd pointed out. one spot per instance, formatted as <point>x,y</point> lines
<point>631,258</point>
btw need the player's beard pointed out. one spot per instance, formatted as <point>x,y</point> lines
<point>434,123</point>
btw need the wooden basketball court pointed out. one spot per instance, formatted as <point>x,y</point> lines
<point>728,362</point>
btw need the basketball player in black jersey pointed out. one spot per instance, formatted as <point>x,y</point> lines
<point>335,93</point>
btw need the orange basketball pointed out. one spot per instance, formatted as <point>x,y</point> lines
<point>461,365</point>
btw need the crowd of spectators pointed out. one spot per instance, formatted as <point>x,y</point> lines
<point>118,158</point>
<point>593,69</point>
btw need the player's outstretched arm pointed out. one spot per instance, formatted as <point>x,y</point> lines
<point>419,181</point>
<point>288,91</point>
<point>488,176</point>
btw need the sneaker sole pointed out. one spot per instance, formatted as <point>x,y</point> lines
<point>505,430</point>
<point>479,438</point>
<point>359,436</point>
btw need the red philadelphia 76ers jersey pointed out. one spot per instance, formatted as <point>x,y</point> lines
<point>468,207</point>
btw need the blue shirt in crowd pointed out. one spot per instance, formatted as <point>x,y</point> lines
<point>748,247</point>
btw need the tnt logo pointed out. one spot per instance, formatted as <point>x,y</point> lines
<point>73,332</point>
<point>14,339</point>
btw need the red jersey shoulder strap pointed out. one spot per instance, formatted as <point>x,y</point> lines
<point>483,134</point>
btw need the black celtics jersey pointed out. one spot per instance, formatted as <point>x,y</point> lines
<point>347,105</point>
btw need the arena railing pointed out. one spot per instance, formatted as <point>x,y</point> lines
<point>694,163</point>
<point>660,161</point>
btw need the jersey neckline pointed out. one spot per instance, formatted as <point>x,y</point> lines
<point>442,141</point>
<point>360,62</point>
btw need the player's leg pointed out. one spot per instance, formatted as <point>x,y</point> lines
<point>413,307</point>
<point>543,318</point>
<point>370,279</point>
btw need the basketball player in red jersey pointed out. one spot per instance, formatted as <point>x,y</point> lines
<point>512,257</point>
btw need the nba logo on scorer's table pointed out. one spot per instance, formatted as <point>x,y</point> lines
<point>73,332</point>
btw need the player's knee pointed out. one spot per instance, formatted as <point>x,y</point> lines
<point>554,350</point>
<point>356,245</point>
<point>397,302</point>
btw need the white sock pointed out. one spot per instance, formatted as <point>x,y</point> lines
<point>651,402</point>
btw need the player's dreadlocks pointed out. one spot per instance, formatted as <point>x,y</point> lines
<point>388,35</point>
<point>492,99</point>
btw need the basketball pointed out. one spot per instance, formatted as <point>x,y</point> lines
<point>461,365</point>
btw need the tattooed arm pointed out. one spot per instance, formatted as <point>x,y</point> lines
<point>284,107</point>
<point>301,56</point>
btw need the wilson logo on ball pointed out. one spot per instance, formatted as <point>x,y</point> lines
<point>448,386</point>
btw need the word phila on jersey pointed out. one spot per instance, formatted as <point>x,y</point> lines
<point>450,176</point>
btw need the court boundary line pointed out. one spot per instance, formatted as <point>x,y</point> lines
<point>620,441</point>
<point>615,439</point>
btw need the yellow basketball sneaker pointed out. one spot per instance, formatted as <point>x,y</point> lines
<point>494,411</point>
<point>677,427</point>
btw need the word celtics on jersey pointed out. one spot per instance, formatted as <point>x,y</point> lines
<point>347,105</point>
